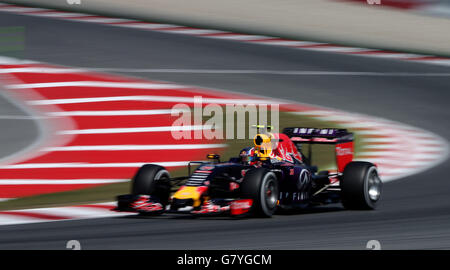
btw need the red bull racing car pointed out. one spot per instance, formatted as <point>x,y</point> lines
<point>273,174</point>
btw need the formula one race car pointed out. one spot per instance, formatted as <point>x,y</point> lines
<point>274,174</point>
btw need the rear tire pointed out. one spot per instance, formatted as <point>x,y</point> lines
<point>261,185</point>
<point>360,186</point>
<point>152,180</point>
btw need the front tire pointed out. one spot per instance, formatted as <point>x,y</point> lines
<point>152,180</point>
<point>261,185</point>
<point>360,186</point>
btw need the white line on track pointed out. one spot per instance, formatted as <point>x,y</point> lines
<point>134,147</point>
<point>407,149</point>
<point>100,20</point>
<point>404,56</point>
<point>59,181</point>
<point>439,62</point>
<point>239,37</point>
<point>107,203</point>
<point>152,26</point>
<point>384,140</point>
<point>69,212</point>
<point>170,99</point>
<point>22,9</point>
<point>382,162</point>
<point>397,155</point>
<point>192,31</point>
<point>336,49</point>
<point>276,42</point>
<point>4,60</point>
<point>12,219</point>
<point>273,72</point>
<point>91,165</point>
<point>134,85</point>
<point>21,117</point>
<point>361,124</point>
<point>314,112</point>
<point>114,112</point>
<point>209,71</point>
<point>58,14</point>
<point>62,213</point>
<point>399,171</point>
<point>40,70</point>
<point>372,132</point>
<point>133,130</point>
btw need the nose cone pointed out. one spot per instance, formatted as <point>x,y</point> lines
<point>189,194</point>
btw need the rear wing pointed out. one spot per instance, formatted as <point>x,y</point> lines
<point>341,138</point>
<point>318,135</point>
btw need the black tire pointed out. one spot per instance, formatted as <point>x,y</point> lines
<point>152,180</point>
<point>360,186</point>
<point>261,185</point>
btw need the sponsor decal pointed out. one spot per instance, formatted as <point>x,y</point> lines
<point>143,203</point>
<point>341,151</point>
<point>373,2</point>
<point>299,139</point>
<point>344,155</point>
<point>202,171</point>
<point>209,207</point>
<point>324,140</point>
<point>315,131</point>
<point>303,179</point>
<point>240,207</point>
<point>286,150</point>
<point>294,196</point>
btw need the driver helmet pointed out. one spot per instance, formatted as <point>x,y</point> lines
<point>246,155</point>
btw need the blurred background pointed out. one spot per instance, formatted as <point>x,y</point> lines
<point>393,86</point>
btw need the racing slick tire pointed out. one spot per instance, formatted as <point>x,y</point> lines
<point>360,186</point>
<point>152,180</point>
<point>261,185</point>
